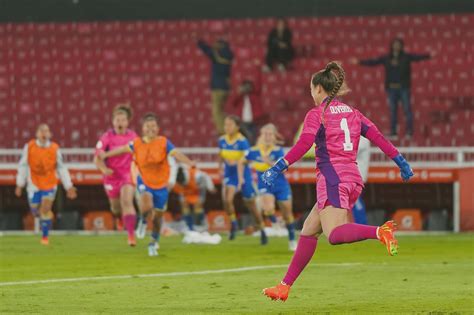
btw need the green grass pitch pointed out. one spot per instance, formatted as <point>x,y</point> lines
<point>431,274</point>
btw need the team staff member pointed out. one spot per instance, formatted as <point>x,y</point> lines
<point>40,165</point>
<point>192,185</point>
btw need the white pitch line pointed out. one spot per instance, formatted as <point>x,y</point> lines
<point>159,275</point>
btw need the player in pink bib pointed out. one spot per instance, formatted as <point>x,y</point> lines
<point>117,170</point>
<point>335,128</point>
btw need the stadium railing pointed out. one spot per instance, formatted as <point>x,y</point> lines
<point>430,164</point>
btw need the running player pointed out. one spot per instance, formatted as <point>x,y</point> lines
<point>40,165</point>
<point>336,129</point>
<point>192,185</point>
<point>232,147</point>
<point>150,154</point>
<point>143,218</point>
<point>117,178</point>
<point>261,158</point>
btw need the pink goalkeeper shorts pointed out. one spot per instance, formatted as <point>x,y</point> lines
<point>342,195</point>
<point>113,185</point>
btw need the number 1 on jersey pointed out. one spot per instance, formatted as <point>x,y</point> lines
<point>347,135</point>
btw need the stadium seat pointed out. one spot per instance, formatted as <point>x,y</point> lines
<point>156,66</point>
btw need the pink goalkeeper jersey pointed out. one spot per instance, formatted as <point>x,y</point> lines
<point>337,141</point>
<point>119,164</point>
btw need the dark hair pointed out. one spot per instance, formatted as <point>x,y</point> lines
<point>331,80</point>
<point>180,178</point>
<point>123,109</point>
<point>247,83</point>
<point>149,117</point>
<point>399,40</point>
<point>235,119</point>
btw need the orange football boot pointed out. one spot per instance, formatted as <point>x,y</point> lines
<point>131,241</point>
<point>44,241</point>
<point>118,224</point>
<point>278,293</point>
<point>385,235</point>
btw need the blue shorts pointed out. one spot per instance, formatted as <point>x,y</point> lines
<point>160,196</point>
<point>281,190</point>
<point>36,197</point>
<point>248,191</point>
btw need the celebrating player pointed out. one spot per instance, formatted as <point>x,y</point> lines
<point>192,185</point>
<point>232,147</point>
<point>150,154</point>
<point>261,158</point>
<point>40,165</point>
<point>336,129</point>
<point>117,178</point>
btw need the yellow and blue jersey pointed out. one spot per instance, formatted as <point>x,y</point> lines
<point>254,156</point>
<point>232,151</point>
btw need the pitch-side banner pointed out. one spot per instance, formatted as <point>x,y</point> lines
<point>294,175</point>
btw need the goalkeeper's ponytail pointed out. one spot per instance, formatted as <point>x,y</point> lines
<point>332,80</point>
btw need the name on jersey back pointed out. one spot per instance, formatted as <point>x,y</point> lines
<point>340,109</point>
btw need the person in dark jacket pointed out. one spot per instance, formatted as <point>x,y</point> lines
<point>248,103</point>
<point>279,48</point>
<point>397,65</point>
<point>221,57</point>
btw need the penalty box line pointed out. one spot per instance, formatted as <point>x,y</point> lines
<point>159,275</point>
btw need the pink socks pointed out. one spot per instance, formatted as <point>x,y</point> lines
<point>346,233</point>
<point>129,221</point>
<point>352,232</point>
<point>303,254</point>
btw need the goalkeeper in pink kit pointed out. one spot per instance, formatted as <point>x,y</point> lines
<point>118,182</point>
<point>335,128</point>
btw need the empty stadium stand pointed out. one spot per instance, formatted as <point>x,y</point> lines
<point>71,75</point>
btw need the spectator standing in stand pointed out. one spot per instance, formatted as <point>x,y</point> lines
<point>397,64</point>
<point>221,57</point>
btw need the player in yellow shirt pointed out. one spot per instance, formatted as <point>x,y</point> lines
<point>233,146</point>
<point>260,158</point>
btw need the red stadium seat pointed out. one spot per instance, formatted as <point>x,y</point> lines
<point>81,70</point>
